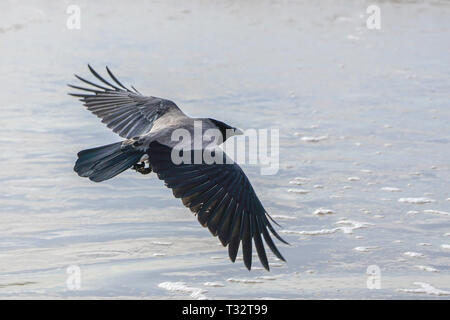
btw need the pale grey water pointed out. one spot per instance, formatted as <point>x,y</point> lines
<point>310,68</point>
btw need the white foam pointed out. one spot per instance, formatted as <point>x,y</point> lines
<point>266,278</point>
<point>444,213</point>
<point>162,243</point>
<point>244,280</point>
<point>281,217</point>
<point>445,246</point>
<point>350,225</point>
<point>302,179</point>
<point>365,249</point>
<point>425,289</point>
<point>296,182</point>
<point>424,244</point>
<point>420,200</point>
<point>322,211</point>
<point>299,180</point>
<point>311,233</point>
<point>353,179</point>
<point>314,139</point>
<point>214,284</point>
<point>277,265</point>
<point>390,189</point>
<point>298,191</point>
<point>426,268</point>
<point>195,293</point>
<point>346,226</point>
<point>414,254</point>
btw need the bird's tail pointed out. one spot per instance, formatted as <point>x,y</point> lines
<point>103,163</point>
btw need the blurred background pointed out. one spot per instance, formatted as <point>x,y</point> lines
<point>364,122</point>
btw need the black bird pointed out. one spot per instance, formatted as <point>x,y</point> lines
<point>219,194</point>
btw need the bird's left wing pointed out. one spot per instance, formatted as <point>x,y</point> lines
<point>223,199</point>
<point>127,112</point>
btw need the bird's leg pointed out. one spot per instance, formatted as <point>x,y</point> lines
<point>143,166</point>
<point>140,167</point>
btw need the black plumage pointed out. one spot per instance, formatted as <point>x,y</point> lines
<point>220,193</point>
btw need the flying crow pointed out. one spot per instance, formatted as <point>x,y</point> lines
<point>218,192</point>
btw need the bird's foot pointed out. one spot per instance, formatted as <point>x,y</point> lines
<point>140,167</point>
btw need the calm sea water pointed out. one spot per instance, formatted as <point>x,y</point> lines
<point>364,120</point>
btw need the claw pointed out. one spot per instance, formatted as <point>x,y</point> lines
<point>140,167</point>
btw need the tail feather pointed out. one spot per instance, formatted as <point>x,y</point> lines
<point>105,162</point>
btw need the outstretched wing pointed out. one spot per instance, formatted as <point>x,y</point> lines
<point>127,112</point>
<point>223,199</point>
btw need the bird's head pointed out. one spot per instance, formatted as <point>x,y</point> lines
<point>226,130</point>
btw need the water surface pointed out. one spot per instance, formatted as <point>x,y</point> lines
<point>363,117</point>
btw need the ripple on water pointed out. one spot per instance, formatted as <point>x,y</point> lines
<point>298,191</point>
<point>425,288</point>
<point>322,211</point>
<point>390,189</point>
<point>162,243</point>
<point>247,281</point>
<point>314,139</point>
<point>414,254</point>
<point>365,249</point>
<point>214,284</point>
<point>159,254</point>
<point>420,200</point>
<point>266,278</point>
<point>282,217</point>
<point>346,226</point>
<point>181,287</point>
<point>426,268</point>
<point>443,213</point>
<point>424,244</point>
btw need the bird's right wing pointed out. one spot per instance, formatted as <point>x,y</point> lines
<point>128,113</point>
<point>223,199</point>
